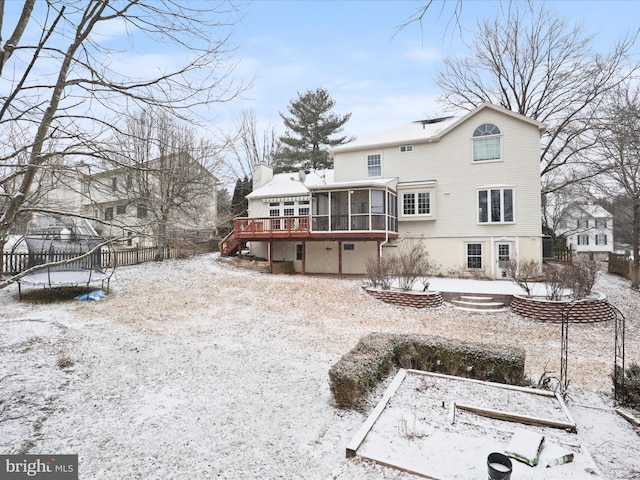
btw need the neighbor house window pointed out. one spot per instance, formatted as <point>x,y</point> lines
<point>141,211</point>
<point>474,256</point>
<point>289,212</point>
<point>129,239</point>
<point>601,239</point>
<point>601,223</point>
<point>274,212</point>
<point>121,209</point>
<point>114,184</point>
<point>486,143</point>
<point>108,213</point>
<point>129,181</point>
<point>406,148</point>
<point>374,165</point>
<point>582,223</point>
<point>495,205</point>
<point>416,203</point>
<point>583,239</point>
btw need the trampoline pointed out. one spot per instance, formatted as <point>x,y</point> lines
<point>77,260</point>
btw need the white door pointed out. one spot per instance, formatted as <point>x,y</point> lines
<point>503,254</point>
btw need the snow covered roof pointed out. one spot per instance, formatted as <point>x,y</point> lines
<point>420,131</point>
<point>289,184</point>
<point>592,211</point>
<point>427,130</point>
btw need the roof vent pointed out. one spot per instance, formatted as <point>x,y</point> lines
<point>433,120</point>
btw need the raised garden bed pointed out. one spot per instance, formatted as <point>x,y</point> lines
<point>371,360</point>
<point>541,309</point>
<point>406,298</point>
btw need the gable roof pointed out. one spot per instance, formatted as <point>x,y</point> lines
<point>425,131</point>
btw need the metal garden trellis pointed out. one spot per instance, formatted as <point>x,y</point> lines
<point>618,370</point>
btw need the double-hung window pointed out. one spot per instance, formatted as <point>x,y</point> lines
<point>583,239</point>
<point>374,165</point>
<point>486,143</point>
<point>495,205</point>
<point>601,239</point>
<point>416,203</point>
<point>474,256</point>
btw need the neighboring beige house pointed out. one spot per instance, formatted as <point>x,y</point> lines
<point>127,203</point>
<point>468,188</point>
<point>588,229</point>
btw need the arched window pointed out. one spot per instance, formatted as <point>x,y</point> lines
<point>486,143</point>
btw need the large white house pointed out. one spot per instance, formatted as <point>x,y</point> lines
<point>468,187</point>
<point>587,228</point>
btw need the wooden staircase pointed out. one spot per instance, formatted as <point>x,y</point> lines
<point>479,304</point>
<point>230,245</point>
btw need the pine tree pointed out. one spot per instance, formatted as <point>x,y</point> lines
<point>310,126</point>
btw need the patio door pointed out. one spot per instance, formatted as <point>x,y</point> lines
<point>503,255</point>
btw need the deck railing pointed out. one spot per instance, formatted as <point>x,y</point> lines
<point>292,226</point>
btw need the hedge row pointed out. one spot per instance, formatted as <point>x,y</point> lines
<point>360,370</point>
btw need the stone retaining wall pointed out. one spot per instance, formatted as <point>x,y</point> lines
<point>588,311</point>
<point>407,299</point>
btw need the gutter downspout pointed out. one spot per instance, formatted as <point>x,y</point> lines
<point>386,227</point>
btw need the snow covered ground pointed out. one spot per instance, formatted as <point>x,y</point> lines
<point>197,369</point>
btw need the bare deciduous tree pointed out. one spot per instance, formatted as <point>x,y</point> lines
<point>530,62</point>
<point>249,147</point>
<point>619,156</point>
<point>166,172</point>
<point>67,83</point>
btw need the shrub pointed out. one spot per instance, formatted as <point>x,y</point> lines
<point>631,393</point>
<point>379,272</point>
<point>555,280</point>
<point>410,264</point>
<point>578,278</point>
<point>523,272</point>
<point>360,370</point>
<point>581,276</point>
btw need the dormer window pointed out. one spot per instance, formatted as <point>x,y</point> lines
<point>486,143</point>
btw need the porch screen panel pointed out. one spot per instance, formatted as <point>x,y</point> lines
<point>377,209</point>
<point>340,210</point>
<point>359,209</point>
<point>320,208</point>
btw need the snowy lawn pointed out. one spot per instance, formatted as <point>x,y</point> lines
<point>196,369</point>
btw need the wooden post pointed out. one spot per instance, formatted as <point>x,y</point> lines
<point>304,258</point>
<point>340,259</point>
<point>270,254</point>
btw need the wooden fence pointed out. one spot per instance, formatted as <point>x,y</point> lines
<point>18,262</point>
<point>620,264</point>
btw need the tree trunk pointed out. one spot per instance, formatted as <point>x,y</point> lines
<point>635,245</point>
<point>162,239</point>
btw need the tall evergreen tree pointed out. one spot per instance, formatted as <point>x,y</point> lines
<point>310,127</point>
<point>239,203</point>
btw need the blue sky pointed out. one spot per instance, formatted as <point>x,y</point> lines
<point>383,76</point>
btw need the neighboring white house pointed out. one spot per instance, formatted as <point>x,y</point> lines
<point>468,188</point>
<point>587,228</point>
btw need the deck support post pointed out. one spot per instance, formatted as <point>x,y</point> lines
<point>340,259</point>
<point>270,254</point>
<point>304,258</point>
